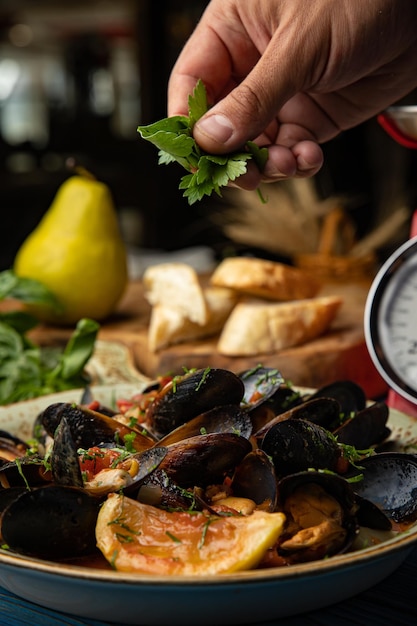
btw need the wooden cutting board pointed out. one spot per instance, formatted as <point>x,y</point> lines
<point>340,354</point>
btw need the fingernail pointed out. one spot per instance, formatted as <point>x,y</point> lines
<point>217,127</point>
<point>271,171</point>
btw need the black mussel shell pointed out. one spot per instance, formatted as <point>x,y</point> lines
<point>260,384</point>
<point>370,515</point>
<point>284,399</point>
<point>322,411</point>
<point>390,481</point>
<point>25,472</point>
<point>255,479</point>
<point>7,496</point>
<point>181,400</point>
<point>204,459</point>
<point>159,489</point>
<point>228,418</point>
<point>90,428</point>
<point>149,461</point>
<point>51,523</point>
<point>296,445</point>
<point>366,428</point>
<point>64,460</point>
<point>350,395</point>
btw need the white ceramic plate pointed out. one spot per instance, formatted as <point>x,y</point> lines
<point>242,598</point>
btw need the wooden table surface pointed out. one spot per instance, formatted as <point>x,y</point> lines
<point>340,354</point>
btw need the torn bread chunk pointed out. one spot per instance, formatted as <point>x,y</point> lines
<point>265,279</point>
<point>176,286</point>
<point>170,326</point>
<point>258,327</point>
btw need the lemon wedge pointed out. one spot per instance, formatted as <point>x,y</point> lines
<point>136,537</point>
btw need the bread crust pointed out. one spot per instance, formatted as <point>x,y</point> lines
<point>256,327</point>
<point>265,279</point>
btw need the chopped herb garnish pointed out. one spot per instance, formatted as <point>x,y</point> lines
<point>20,470</point>
<point>203,378</point>
<point>173,136</point>
<point>128,441</point>
<point>209,521</point>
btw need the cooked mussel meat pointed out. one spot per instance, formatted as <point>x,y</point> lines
<point>321,516</point>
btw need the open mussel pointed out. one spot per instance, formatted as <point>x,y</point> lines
<point>128,474</point>
<point>260,384</point>
<point>227,418</point>
<point>190,395</point>
<point>204,459</point>
<point>321,516</point>
<point>90,428</point>
<point>122,471</point>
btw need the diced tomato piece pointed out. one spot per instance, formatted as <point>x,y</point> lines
<point>96,459</point>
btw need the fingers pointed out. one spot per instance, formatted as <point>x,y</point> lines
<point>303,160</point>
<point>241,115</point>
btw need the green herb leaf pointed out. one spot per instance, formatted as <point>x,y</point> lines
<point>207,173</point>
<point>26,290</point>
<point>197,103</point>
<point>28,371</point>
<point>78,350</point>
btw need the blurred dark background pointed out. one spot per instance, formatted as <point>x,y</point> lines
<point>78,77</point>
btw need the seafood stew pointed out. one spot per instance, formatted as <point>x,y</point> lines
<point>230,465</point>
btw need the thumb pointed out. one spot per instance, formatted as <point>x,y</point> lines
<point>246,111</point>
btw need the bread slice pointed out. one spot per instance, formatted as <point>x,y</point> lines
<point>176,286</point>
<point>265,279</point>
<point>170,326</point>
<point>258,327</point>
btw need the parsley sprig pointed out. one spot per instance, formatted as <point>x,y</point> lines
<point>207,172</point>
<point>28,370</point>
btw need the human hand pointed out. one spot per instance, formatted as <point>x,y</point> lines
<point>291,75</point>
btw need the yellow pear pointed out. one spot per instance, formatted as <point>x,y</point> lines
<point>77,252</point>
